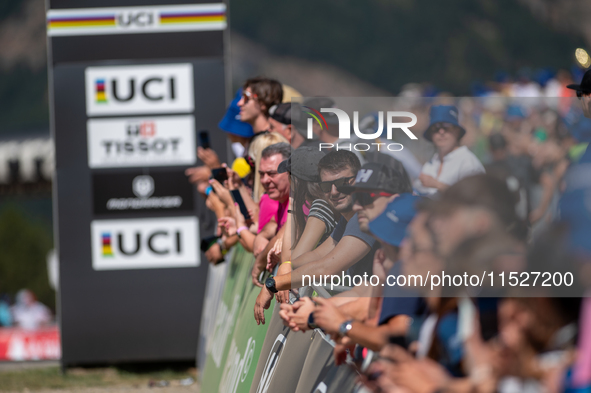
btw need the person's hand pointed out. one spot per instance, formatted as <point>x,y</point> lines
<point>214,204</point>
<point>340,352</point>
<point>283,296</point>
<point>428,181</point>
<point>234,181</point>
<point>381,265</point>
<point>328,316</point>
<point>256,272</point>
<point>274,255</point>
<point>228,225</point>
<point>209,157</point>
<point>284,310</point>
<point>198,174</point>
<point>222,192</point>
<point>299,314</point>
<point>214,254</point>
<point>259,245</point>
<point>262,303</point>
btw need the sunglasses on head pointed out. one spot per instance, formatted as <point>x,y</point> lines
<point>247,95</point>
<point>326,186</point>
<point>364,198</point>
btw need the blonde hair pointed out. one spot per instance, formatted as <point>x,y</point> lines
<point>254,151</point>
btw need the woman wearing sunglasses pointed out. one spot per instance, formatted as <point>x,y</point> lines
<point>451,162</point>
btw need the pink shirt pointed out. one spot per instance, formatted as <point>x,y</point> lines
<point>269,208</point>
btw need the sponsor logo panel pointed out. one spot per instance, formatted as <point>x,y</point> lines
<point>145,243</point>
<point>137,89</point>
<point>134,20</point>
<point>132,142</point>
<point>137,192</point>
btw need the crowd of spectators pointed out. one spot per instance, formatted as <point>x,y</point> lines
<point>506,186</point>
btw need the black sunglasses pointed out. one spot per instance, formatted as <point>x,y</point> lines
<point>580,94</point>
<point>363,198</point>
<point>326,186</point>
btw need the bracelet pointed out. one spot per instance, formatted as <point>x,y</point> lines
<point>242,228</point>
<point>287,262</point>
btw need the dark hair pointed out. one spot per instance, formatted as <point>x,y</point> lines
<point>269,92</point>
<point>337,160</point>
<point>496,142</point>
<point>282,148</point>
<point>487,192</point>
<point>304,192</point>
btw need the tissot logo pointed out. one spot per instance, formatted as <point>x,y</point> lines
<point>141,142</point>
<point>144,243</point>
<point>393,121</point>
<point>165,88</point>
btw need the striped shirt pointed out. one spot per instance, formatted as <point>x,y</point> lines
<point>321,210</point>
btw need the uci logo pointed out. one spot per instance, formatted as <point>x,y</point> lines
<point>158,242</point>
<point>136,19</point>
<point>392,123</point>
<point>155,88</point>
<point>162,88</point>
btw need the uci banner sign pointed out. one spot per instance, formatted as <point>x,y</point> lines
<point>127,95</point>
<point>134,20</point>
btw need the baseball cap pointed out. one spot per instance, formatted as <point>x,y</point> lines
<point>302,163</point>
<point>443,114</point>
<point>231,122</point>
<point>318,103</point>
<point>390,226</point>
<point>375,176</point>
<point>287,113</point>
<point>585,85</point>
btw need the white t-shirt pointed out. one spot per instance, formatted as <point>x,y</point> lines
<point>458,164</point>
<point>31,317</point>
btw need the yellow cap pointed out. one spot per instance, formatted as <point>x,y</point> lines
<point>241,167</point>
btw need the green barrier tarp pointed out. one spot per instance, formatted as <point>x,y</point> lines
<point>237,284</point>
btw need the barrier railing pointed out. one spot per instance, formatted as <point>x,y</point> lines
<point>241,356</point>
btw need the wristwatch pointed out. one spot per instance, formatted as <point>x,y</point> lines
<point>345,327</point>
<point>270,284</point>
<point>311,323</point>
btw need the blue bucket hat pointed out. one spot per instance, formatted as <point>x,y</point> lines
<point>443,114</point>
<point>390,226</point>
<point>231,122</point>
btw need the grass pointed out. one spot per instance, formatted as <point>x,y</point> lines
<point>52,377</point>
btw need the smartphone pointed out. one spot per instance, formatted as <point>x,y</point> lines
<point>488,317</point>
<point>238,199</point>
<point>204,139</point>
<point>219,174</point>
<point>208,242</point>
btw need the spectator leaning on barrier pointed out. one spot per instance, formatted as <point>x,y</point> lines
<point>451,162</point>
<point>258,96</point>
<point>337,168</point>
<point>390,229</point>
<point>311,219</point>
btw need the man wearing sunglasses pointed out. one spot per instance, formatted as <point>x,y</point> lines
<point>346,247</point>
<point>376,185</point>
<point>258,96</point>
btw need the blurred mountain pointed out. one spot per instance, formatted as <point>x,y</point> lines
<point>337,47</point>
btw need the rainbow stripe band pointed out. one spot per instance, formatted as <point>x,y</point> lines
<point>137,20</point>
